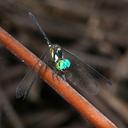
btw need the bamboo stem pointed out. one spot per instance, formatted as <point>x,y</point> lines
<point>63,88</point>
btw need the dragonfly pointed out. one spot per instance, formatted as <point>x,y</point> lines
<point>80,75</point>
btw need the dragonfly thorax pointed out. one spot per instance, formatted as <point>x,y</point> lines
<point>56,53</point>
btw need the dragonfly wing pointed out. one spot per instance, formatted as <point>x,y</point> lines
<point>28,80</point>
<point>82,76</point>
<point>26,83</point>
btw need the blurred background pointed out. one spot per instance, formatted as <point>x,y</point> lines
<point>97,30</point>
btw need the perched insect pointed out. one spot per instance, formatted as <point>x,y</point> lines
<point>61,64</point>
<point>81,76</point>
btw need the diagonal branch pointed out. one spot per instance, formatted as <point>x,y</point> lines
<point>61,87</point>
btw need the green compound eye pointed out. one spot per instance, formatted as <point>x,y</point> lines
<point>67,63</point>
<point>60,65</point>
<point>63,64</point>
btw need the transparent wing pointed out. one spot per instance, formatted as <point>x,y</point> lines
<point>83,77</point>
<point>28,80</point>
<point>26,83</point>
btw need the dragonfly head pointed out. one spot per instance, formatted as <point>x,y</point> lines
<point>63,64</point>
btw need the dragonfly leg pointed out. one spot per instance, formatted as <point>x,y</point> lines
<point>64,77</point>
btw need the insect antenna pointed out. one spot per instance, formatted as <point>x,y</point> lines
<point>40,28</point>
